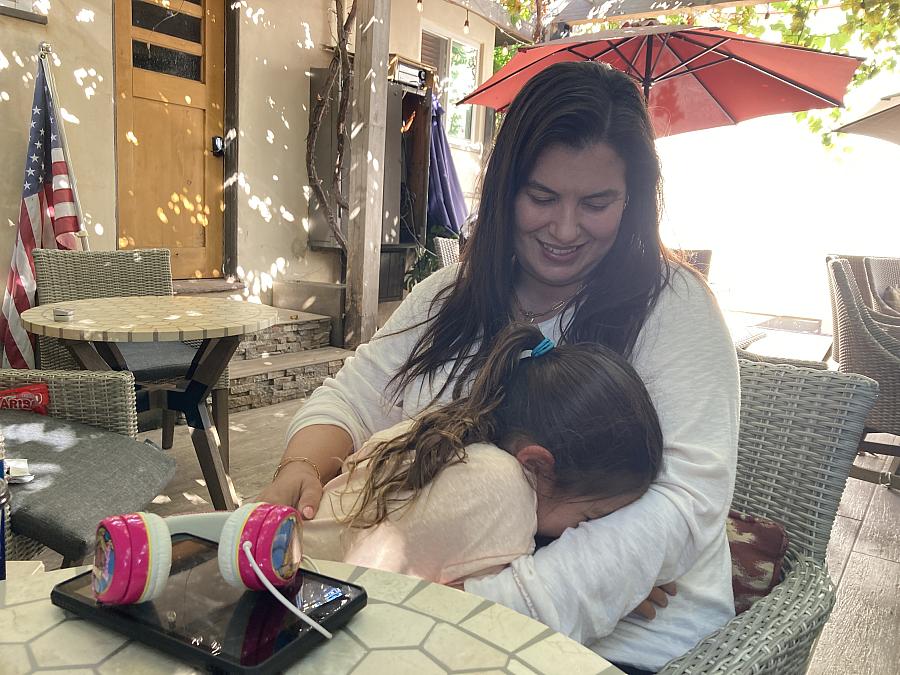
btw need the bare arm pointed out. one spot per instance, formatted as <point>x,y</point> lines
<point>326,446</point>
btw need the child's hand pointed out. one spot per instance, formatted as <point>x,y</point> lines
<point>659,597</point>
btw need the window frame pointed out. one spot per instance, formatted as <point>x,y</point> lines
<point>477,130</point>
<point>22,9</point>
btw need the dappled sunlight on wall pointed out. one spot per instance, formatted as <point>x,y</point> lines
<point>81,35</point>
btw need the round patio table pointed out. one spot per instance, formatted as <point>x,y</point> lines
<point>99,323</point>
<point>409,627</point>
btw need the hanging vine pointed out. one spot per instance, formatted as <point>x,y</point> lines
<point>338,74</point>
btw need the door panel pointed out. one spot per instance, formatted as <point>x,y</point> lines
<point>170,103</point>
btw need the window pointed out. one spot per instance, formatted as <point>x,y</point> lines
<point>456,68</point>
<point>24,5</point>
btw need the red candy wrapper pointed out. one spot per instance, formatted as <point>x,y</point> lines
<point>32,397</point>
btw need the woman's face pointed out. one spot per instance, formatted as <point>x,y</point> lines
<point>568,212</point>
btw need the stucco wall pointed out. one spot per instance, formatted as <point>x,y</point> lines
<point>279,42</point>
<point>80,32</point>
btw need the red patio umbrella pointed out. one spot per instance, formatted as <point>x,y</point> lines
<point>693,78</point>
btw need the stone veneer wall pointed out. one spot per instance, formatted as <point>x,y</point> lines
<point>285,338</point>
<point>257,391</point>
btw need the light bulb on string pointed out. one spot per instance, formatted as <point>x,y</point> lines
<point>466,24</point>
<point>419,5</point>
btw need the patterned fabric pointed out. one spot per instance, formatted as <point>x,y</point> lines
<point>757,547</point>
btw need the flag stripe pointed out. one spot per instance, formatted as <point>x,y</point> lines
<point>47,217</point>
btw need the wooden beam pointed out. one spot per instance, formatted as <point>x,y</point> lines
<point>368,128</point>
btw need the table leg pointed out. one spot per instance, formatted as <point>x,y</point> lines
<point>210,362</point>
<point>111,354</point>
<point>206,444</point>
<point>86,355</point>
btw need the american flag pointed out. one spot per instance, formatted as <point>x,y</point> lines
<point>47,219</point>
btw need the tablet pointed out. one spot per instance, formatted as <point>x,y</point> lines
<point>203,620</point>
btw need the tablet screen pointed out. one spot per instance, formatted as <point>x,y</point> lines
<point>198,608</point>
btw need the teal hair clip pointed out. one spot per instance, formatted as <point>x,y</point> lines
<point>543,347</point>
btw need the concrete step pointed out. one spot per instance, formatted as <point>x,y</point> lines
<point>209,287</point>
<point>294,332</point>
<point>263,381</point>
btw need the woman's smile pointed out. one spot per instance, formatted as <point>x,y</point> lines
<point>567,217</point>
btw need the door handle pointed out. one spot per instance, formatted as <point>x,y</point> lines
<point>218,146</point>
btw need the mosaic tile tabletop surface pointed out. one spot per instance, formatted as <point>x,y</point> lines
<point>150,319</point>
<point>409,627</point>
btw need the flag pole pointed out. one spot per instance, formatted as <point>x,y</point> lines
<point>45,50</point>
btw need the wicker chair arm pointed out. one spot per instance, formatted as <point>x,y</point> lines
<point>784,626</point>
<point>779,360</point>
<point>102,399</point>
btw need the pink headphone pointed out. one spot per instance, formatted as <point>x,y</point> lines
<point>133,552</point>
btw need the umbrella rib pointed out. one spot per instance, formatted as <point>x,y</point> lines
<point>684,64</point>
<point>630,64</point>
<point>662,48</point>
<point>691,71</point>
<point>775,76</point>
<point>706,89</point>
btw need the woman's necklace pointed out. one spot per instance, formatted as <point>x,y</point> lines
<point>532,317</point>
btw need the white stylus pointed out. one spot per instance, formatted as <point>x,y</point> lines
<point>278,596</point>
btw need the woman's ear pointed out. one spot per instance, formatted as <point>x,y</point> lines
<point>537,459</point>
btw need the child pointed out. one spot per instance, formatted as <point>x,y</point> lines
<point>547,438</point>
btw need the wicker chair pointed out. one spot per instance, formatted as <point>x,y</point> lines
<point>447,251</point>
<point>105,400</point>
<point>76,275</point>
<point>882,273</point>
<point>870,346</point>
<point>859,274</point>
<point>759,358</point>
<point>798,436</point>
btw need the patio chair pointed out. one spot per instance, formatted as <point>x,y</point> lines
<point>798,435</point>
<point>85,457</point>
<point>447,251</point>
<point>760,358</point>
<point>77,275</point>
<point>881,274</point>
<point>859,274</point>
<point>870,347</point>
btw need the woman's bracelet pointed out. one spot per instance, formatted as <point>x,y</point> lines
<point>287,461</point>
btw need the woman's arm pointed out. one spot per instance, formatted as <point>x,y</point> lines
<point>593,576</point>
<point>347,409</point>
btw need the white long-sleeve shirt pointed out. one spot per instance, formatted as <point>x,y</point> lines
<point>586,583</point>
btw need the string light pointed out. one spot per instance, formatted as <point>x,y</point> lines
<point>466,24</point>
<point>419,5</point>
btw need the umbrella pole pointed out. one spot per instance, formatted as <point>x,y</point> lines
<point>648,69</point>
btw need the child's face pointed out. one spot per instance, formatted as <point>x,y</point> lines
<point>556,515</point>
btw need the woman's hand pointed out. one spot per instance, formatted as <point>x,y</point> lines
<point>659,597</point>
<point>296,485</point>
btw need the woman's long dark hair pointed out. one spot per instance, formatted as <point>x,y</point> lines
<point>582,402</point>
<point>576,105</point>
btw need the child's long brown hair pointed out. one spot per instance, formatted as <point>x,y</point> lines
<point>584,403</point>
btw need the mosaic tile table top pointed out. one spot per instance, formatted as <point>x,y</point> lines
<point>409,627</point>
<point>151,318</point>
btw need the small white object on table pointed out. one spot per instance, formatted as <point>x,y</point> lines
<point>409,627</point>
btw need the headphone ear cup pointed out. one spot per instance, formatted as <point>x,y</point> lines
<point>160,556</point>
<point>229,544</point>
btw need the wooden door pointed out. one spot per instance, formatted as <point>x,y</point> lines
<point>170,91</point>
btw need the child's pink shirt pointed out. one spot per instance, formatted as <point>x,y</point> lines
<point>473,519</point>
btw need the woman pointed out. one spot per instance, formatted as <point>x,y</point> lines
<point>567,237</point>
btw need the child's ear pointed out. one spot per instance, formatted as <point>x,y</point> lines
<point>536,458</point>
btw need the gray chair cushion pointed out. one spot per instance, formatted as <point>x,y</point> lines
<point>82,474</point>
<point>155,361</point>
